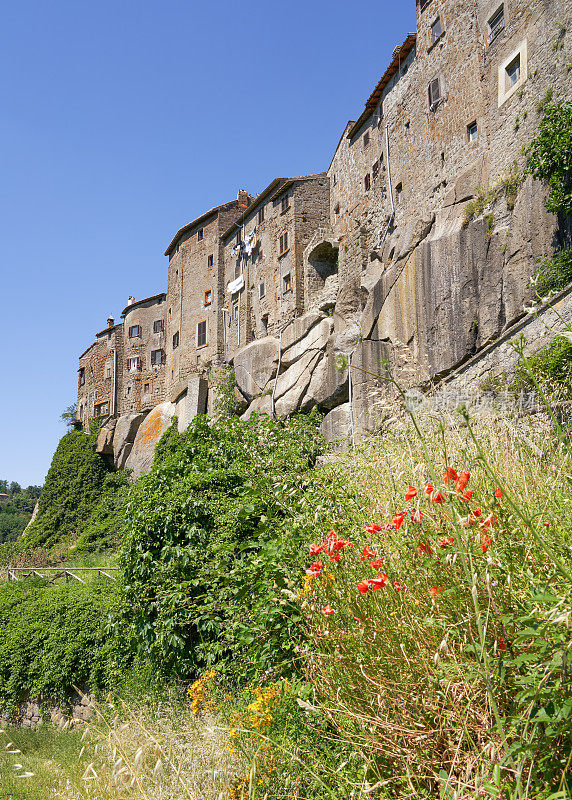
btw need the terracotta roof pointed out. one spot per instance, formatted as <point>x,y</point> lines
<point>159,297</point>
<point>399,54</point>
<point>109,328</point>
<point>197,221</point>
<point>275,188</point>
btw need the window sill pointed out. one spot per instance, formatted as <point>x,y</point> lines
<point>284,210</point>
<point>202,346</point>
<point>281,255</point>
<point>286,291</point>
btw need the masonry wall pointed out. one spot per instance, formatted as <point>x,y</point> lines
<point>143,386</point>
<point>100,374</point>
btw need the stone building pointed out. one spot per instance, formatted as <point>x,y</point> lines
<point>143,384</point>
<point>415,248</point>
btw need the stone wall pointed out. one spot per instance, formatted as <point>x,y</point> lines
<point>143,383</point>
<point>34,712</point>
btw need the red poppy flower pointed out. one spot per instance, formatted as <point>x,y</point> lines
<point>501,644</point>
<point>363,587</point>
<point>375,528</point>
<point>428,489</point>
<point>435,591</point>
<point>316,568</point>
<point>498,493</point>
<point>546,524</point>
<point>328,611</point>
<point>315,549</point>
<point>397,586</point>
<point>485,542</point>
<point>359,618</point>
<point>467,495</point>
<point>446,542</point>
<point>340,544</point>
<point>417,515</point>
<point>379,582</point>
<point>388,526</point>
<point>377,563</point>
<point>438,498</point>
<point>450,475</point>
<point>410,493</point>
<point>367,552</point>
<point>425,547</point>
<point>462,481</point>
<point>397,522</point>
<point>336,557</point>
<point>490,521</point>
<point>477,512</point>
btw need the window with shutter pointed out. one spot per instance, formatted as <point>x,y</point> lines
<point>200,234</point>
<point>158,326</point>
<point>157,357</point>
<point>366,139</point>
<point>201,334</point>
<point>210,261</point>
<point>436,30</point>
<point>434,91</point>
<point>261,289</point>
<point>175,340</point>
<point>261,214</point>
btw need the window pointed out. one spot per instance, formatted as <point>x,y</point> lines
<point>146,388</point>
<point>134,331</point>
<point>175,340</point>
<point>82,376</point>
<point>283,244</point>
<point>285,205</point>
<point>434,93</point>
<point>366,139</point>
<point>472,132</point>
<point>157,357</point>
<point>208,297</point>
<point>398,192</point>
<point>495,24</point>
<point>367,182</point>
<point>261,215</point>
<point>286,283</point>
<point>407,126</point>
<point>210,261</point>
<point>100,409</point>
<point>239,236</point>
<point>335,179</point>
<point>261,290</point>
<point>436,30</point>
<point>512,73</point>
<point>202,333</point>
<point>337,209</point>
<point>200,234</point>
<point>375,169</point>
<point>235,310</point>
<point>108,370</point>
<point>158,326</point>
<point>134,364</point>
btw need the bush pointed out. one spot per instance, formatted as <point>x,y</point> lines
<point>549,155</point>
<point>214,535</point>
<point>552,369</point>
<point>54,636</point>
<point>553,273</point>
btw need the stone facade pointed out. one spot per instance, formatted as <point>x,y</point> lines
<point>380,258</point>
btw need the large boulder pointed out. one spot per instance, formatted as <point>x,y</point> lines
<point>104,445</point>
<point>299,328</point>
<point>255,366</point>
<point>291,386</point>
<point>124,435</point>
<point>336,425</point>
<point>154,425</point>
<point>315,339</point>
<point>328,385</point>
<point>262,405</point>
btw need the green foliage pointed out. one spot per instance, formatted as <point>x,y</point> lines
<point>16,512</point>
<point>54,636</point>
<point>106,524</point>
<point>213,538</point>
<point>506,185</point>
<point>553,273</point>
<point>73,488</point>
<point>549,155</point>
<point>69,416</point>
<point>225,403</point>
<point>551,367</point>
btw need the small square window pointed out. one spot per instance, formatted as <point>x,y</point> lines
<point>286,283</point>
<point>436,30</point>
<point>261,290</point>
<point>108,370</point>
<point>237,272</point>
<point>146,388</point>
<point>284,205</point>
<point>366,139</point>
<point>82,376</point>
<point>235,310</point>
<point>512,73</point>
<point>201,334</point>
<point>134,331</point>
<point>495,24</point>
<point>208,297</point>
<point>200,234</point>
<point>334,179</point>
<point>158,326</point>
<point>175,340</point>
<point>472,132</point>
<point>210,261</point>
<point>261,215</point>
<point>157,357</point>
<point>367,182</point>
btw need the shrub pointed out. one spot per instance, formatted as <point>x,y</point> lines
<point>551,367</point>
<point>549,155</point>
<point>553,273</point>
<point>213,537</point>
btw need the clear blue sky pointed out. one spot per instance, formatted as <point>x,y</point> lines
<point>122,121</point>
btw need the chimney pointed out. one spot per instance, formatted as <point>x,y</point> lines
<point>110,322</point>
<point>242,198</point>
<point>130,300</point>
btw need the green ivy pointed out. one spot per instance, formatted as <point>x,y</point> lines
<point>549,155</point>
<point>553,273</point>
<point>213,552</point>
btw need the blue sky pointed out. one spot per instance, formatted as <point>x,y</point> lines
<point>122,121</point>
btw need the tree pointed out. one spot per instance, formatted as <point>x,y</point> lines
<point>15,488</point>
<point>549,155</point>
<point>69,416</point>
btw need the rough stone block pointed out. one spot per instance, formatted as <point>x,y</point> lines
<point>299,328</point>
<point>192,402</point>
<point>292,384</point>
<point>336,425</point>
<point>125,431</point>
<point>150,431</point>
<point>315,339</point>
<point>261,404</point>
<point>255,365</point>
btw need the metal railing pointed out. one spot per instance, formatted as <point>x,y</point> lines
<point>19,573</point>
